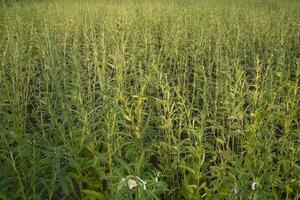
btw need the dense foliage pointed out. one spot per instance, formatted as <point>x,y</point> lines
<point>200,99</point>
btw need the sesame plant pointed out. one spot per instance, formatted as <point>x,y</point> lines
<point>162,99</point>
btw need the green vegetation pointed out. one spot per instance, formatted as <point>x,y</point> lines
<point>200,99</point>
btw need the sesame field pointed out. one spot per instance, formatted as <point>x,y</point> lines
<point>149,100</point>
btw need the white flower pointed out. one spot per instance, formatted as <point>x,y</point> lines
<point>253,186</point>
<point>131,184</point>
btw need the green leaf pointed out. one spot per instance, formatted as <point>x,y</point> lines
<point>90,194</point>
